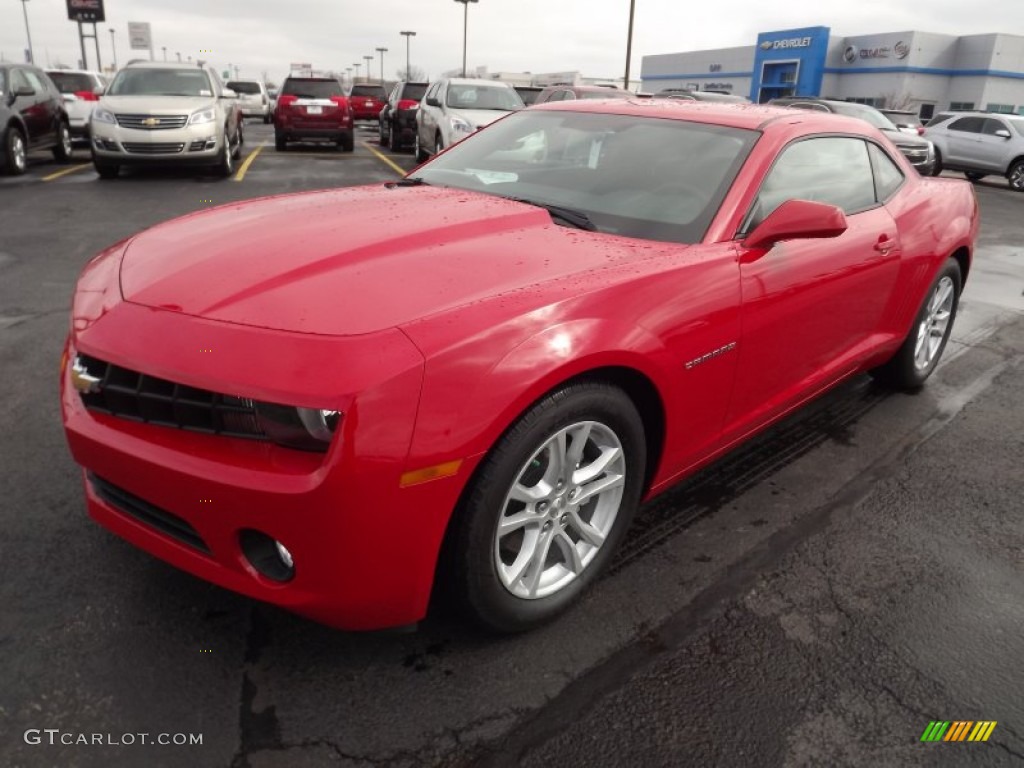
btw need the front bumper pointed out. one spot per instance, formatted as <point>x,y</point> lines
<point>199,145</point>
<point>364,547</point>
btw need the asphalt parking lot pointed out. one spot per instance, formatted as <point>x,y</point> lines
<point>815,598</point>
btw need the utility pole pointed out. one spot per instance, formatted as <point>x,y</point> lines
<point>357,65</point>
<point>368,60</point>
<point>382,51</point>
<point>408,66</point>
<point>465,29</point>
<point>28,33</point>
<point>113,47</point>
<point>629,43</point>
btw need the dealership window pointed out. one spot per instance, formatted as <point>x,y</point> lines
<point>961,106</point>
<point>1001,109</point>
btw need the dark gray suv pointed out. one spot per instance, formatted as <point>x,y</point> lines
<point>32,116</point>
<point>917,150</point>
<point>979,144</point>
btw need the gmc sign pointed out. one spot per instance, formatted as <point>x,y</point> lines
<point>86,10</point>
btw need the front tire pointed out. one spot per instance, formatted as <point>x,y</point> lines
<point>62,152</point>
<point>548,507</point>
<point>937,169</point>
<point>106,170</point>
<point>421,156</point>
<point>226,163</point>
<point>974,175</point>
<point>15,152</point>
<point>915,360</point>
<point>1016,176</point>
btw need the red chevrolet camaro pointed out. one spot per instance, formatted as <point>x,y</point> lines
<point>324,400</point>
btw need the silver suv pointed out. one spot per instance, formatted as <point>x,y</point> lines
<point>979,144</point>
<point>163,113</point>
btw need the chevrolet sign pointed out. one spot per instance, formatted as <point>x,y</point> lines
<point>791,42</point>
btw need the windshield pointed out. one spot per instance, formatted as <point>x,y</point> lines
<point>71,82</point>
<point>306,88</point>
<point>473,96</point>
<point>245,86</point>
<point>161,82</point>
<point>414,91</point>
<point>373,91</point>
<point>1018,125</point>
<point>649,178</point>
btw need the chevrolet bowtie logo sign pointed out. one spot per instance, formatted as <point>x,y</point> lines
<point>82,380</point>
<point>149,122</point>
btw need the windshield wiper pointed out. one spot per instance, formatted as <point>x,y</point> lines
<point>571,216</point>
<point>415,181</point>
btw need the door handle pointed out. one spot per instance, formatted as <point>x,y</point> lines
<point>884,244</point>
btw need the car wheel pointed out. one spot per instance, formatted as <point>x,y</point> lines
<point>241,140</point>
<point>226,162</point>
<point>438,145</point>
<point>280,144</point>
<point>15,157</point>
<point>974,175</point>
<point>548,506</point>
<point>347,142</point>
<point>383,138</point>
<point>1016,176</point>
<point>266,119</point>
<point>62,152</point>
<point>106,170</point>
<point>937,168</point>
<point>418,150</point>
<point>915,360</point>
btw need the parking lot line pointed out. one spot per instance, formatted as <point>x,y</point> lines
<point>384,158</point>
<point>240,173</point>
<point>66,171</point>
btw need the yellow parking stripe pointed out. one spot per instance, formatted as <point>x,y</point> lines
<point>66,171</point>
<point>385,159</point>
<point>240,173</point>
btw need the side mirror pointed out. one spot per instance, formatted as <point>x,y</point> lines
<point>433,102</point>
<point>99,90</point>
<point>24,91</point>
<point>1003,133</point>
<point>797,220</point>
<point>228,94</point>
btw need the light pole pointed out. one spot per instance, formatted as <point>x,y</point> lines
<point>465,29</point>
<point>368,60</point>
<point>408,68</point>
<point>357,65</point>
<point>348,71</point>
<point>382,51</point>
<point>629,43</point>
<point>165,51</point>
<point>28,34</point>
<point>113,47</point>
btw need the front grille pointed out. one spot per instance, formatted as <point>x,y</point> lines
<point>132,395</point>
<point>915,155</point>
<point>147,513</point>
<point>152,122</point>
<point>160,148</point>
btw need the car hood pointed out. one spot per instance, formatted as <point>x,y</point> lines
<point>156,105</point>
<point>478,118</point>
<point>904,139</point>
<point>352,261</point>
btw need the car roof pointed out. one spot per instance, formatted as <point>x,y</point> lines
<point>476,81</point>
<point>57,71</point>
<point>146,64</point>
<point>755,117</point>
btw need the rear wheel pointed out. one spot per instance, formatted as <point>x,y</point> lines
<point>1016,176</point>
<point>418,150</point>
<point>266,119</point>
<point>438,145</point>
<point>383,136</point>
<point>106,170</point>
<point>279,142</point>
<point>62,152</point>
<point>347,142</point>
<point>914,362</point>
<point>15,153</point>
<point>549,506</point>
<point>974,175</point>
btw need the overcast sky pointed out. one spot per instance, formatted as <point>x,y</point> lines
<point>504,35</point>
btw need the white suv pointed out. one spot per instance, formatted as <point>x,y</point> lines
<point>163,113</point>
<point>253,98</point>
<point>979,144</point>
<point>80,90</point>
<point>454,108</point>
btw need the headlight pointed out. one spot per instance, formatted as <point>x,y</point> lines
<point>101,115</point>
<point>203,116</point>
<point>309,429</point>
<point>460,126</point>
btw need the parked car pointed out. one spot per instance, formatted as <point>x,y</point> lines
<point>32,117</point>
<point>313,109</point>
<point>453,108</point>
<point>479,371</point>
<point>917,149</point>
<point>80,90</point>
<point>979,144</point>
<point>686,94</point>
<point>528,93</point>
<point>159,113</point>
<point>397,120</point>
<point>367,100</point>
<point>573,92</point>
<point>253,99</point>
<point>905,120</point>
<point>272,95</point>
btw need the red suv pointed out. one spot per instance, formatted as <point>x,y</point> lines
<point>367,101</point>
<point>313,108</point>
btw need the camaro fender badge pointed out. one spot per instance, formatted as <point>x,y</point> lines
<point>710,355</point>
<point>82,380</point>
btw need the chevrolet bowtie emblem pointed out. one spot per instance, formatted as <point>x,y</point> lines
<point>82,380</point>
<point>151,121</point>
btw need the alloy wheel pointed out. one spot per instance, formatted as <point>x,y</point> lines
<point>1016,177</point>
<point>933,327</point>
<point>18,154</point>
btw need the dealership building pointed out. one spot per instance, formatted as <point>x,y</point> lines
<point>918,71</point>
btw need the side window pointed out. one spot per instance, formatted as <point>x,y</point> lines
<point>967,125</point>
<point>35,82</point>
<point>833,170</point>
<point>18,80</point>
<point>991,126</point>
<point>888,176</point>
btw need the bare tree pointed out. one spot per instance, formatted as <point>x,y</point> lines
<point>415,74</point>
<point>901,101</point>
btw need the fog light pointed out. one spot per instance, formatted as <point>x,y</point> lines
<point>269,557</point>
